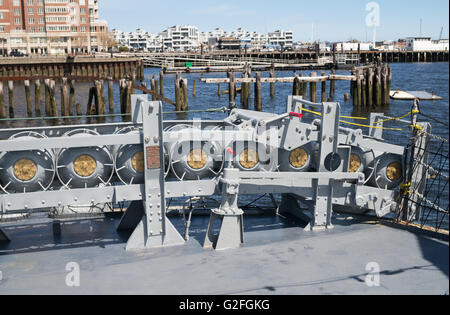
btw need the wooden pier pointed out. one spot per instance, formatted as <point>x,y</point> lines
<point>58,67</point>
<point>235,60</point>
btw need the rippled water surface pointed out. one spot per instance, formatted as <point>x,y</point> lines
<point>431,77</point>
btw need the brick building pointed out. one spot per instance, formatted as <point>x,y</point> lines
<point>51,26</point>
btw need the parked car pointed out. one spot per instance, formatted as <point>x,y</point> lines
<point>16,53</point>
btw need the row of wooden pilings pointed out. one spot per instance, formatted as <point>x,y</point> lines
<point>45,89</point>
<point>372,86</point>
<point>115,68</point>
<point>300,88</point>
<point>96,102</point>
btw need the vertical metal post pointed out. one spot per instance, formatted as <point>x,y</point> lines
<point>154,229</point>
<point>323,188</point>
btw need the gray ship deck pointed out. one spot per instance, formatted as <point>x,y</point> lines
<point>277,258</point>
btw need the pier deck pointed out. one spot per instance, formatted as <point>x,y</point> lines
<point>277,258</point>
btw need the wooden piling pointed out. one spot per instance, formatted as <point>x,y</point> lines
<point>369,88</point>
<point>71,96</point>
<point>218,90</point>
<point>111,95</point>
<point>48,108</point>
<point>296,86</point>
<point>383,84</point>
<point>64,98</point>
<point>313,89</point>
<point>53,103</point>
<point>248,88</point>
<point>184,89</point>
<point>37,97</point>
<point>153,88</point>
<point>100,105</point>
<point>178,95</point>
<point>26,85</point>
<point>332,86</point>
<point>2,101</point>
<point>231,88</point>
<point>161,83</point>
<point>363,90</point>
<point>128,96</point>
<point>258,104</point>
<point>90,100</point>
<point>389,80</point>
<point>377,90</point>
<point>357,89</point>
<point>303,87</point>
<point>272,85</point>
<point>346,97</point>
<point>324,89</point>
<point>194,83</point>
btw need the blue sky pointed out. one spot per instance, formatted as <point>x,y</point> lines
<point>333,20</point>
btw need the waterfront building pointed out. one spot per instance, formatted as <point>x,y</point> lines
<point>181,38</point>
<point>52,27</point>
<point>189,38</point>
<point>426,44</point>
<point>353,46</point>
<point>281,38</point>
<point>138,40</point>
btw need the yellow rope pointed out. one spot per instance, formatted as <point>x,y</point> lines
<point>375,127</point>
<point>355,124</point>
<point>319,114</point>
<point>398,118</point>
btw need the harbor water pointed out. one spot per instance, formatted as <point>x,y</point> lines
<point>430,77</point>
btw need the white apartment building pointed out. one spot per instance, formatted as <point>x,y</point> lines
<point>139,40</point>
<point>189,38</point>
<point>426,44</point>
<point>181,38</point>
<point>281,38</point>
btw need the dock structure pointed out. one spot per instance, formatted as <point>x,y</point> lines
<point>285,60</point>
<point>372,86</point>
<point>300,85</point>
<point>58,67</point>
<point>66,71</point>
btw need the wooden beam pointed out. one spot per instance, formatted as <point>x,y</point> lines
<point>282,80</point>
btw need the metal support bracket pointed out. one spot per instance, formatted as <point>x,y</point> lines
<point>323,188</point>
<point>231,233</point>
<point>154,228</point>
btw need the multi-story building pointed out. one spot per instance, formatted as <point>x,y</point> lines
<point>188,38</point>
<point>281,38</point>
<point>181,38</point>
<point>139,40</point>
<point>52,26</point>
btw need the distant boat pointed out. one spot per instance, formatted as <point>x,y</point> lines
<point>412,95</point>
